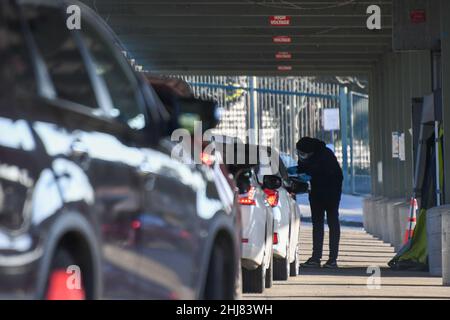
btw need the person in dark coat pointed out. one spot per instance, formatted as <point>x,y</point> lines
<point>320,163</point>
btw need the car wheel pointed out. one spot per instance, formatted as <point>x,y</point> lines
<point>269,274</point>
<point>253,280</point>
<point>59,279</point>
<point>238,285</point>
<point>293,269</point>
<point>218,284</point>
<point>281,267</point>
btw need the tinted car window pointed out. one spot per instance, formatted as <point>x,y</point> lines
<point>244,181</point>
<point>58,49</point>
<point>120,83</point>
<point>16,74</point>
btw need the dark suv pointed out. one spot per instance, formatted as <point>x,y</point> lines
<point>91,202</point>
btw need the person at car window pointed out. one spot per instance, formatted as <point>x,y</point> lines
<point>320,163</point>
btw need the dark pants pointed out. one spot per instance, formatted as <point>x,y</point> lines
<point>318,209</point>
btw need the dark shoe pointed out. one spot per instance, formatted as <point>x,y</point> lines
<point>331,264</point>
<point>311,263</point>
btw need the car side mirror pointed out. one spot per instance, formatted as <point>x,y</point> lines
<point>297,186</point>
<point>272,182</point>
<point>194,109</point>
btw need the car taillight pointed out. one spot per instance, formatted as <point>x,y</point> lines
<point>136,224</point>
<point>275,238</point>
<point>207,158</point>
<point>248,199</point>
<point>271,197</point>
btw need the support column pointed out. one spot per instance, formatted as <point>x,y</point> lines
<point>388,170</point>
<point>407,123</point>
<point>343,92</point>
<point>372,128</point>
<point>445,42</point>
<point>253,111</point>
<point>379,130</point>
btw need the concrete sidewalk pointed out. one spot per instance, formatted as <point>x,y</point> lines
<point>358,251</point>
<point>350,209</point>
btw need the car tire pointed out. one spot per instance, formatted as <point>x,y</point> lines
<point>269,274</point>
<point>57,283</point>
<point>294,267</point>
<point>253,281</point>
<point>281,267</point>
<point>238,285</point>
<point>218,284</point>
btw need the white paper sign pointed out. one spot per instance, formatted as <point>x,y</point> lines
<point>380,171</point>
<point>395,146</point>
<point>401,147</point>
<point>331,119</point>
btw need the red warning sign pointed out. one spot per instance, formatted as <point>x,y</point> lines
<point>283,55</point>
<point>282,39</point>
<point>280,21</point>
<point>418,16</point>
<point>284,68</point>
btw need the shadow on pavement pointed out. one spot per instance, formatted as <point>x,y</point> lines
<point>362,272</point>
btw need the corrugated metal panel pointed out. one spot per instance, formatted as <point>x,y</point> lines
<point>373,122</point>
<point>397,77</point>
<point>445,9</point>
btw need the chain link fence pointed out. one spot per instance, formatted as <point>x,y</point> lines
<point>283,109</point>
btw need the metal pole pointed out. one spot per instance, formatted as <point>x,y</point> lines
<point>417,164</point>
<point>438,171</point>
<point>343,115</point>
<point>252,112</point>
<point>352,134</point>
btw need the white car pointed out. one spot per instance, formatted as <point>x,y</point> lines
<point>257,232</point>
<point>286,214</point>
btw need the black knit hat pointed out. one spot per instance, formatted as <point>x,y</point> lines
<point>307,144</point>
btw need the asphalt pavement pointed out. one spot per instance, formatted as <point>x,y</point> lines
<point>361,255</point>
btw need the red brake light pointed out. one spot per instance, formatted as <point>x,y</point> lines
<point>271,197</point>
<point>248,199</point>
<point>135,224</point>
<point>275,238</point>
<point>207,159</point>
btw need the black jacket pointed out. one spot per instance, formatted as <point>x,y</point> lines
<point>325,172</point>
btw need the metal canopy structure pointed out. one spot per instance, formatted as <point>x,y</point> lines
<point>328,37</point>
<point>236,37</point>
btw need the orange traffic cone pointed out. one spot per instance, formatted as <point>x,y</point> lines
<point>413,208</point>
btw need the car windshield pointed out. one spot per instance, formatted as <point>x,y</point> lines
<point>243,181</point>
<point>288,161</point>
